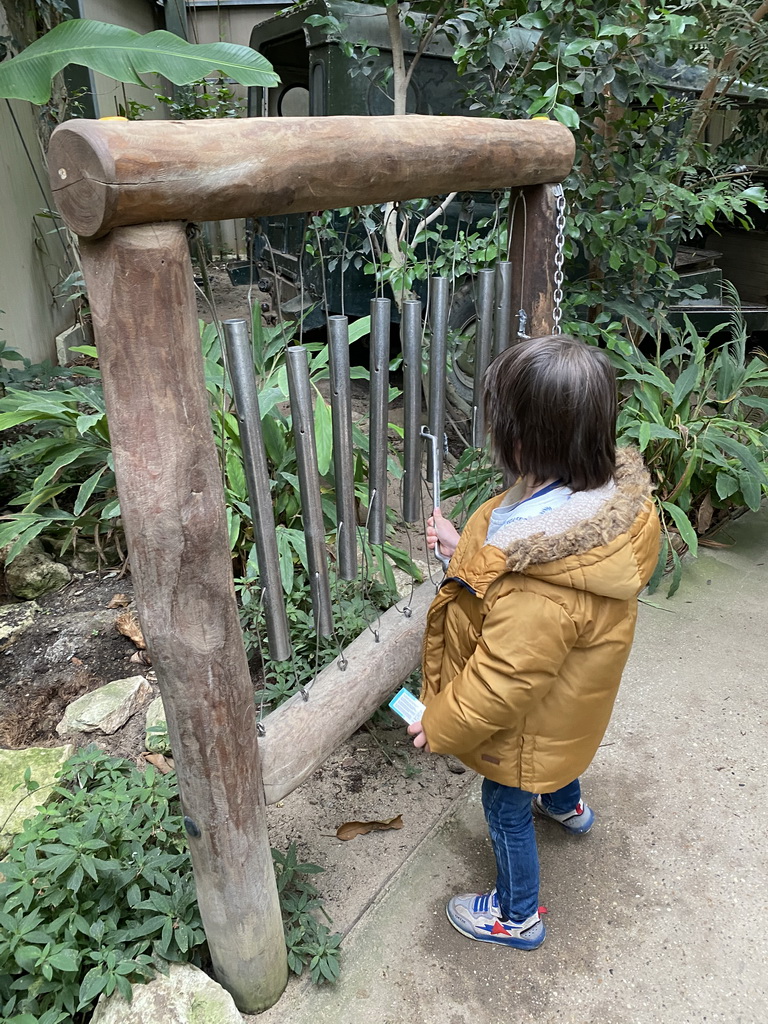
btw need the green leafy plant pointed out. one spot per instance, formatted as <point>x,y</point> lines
<point>473,480</point>
<point>97,891</point>
<point>70,444</point>
<point>69,439</point>
<point>310,942</point>
<point>97,894</point>
<point>697,408</point>
<point>203,99</point>
<point>642,178</point>
<point>698,411</point>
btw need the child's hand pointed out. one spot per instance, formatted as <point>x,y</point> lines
<point>442,531</point>
<point>419,737</point>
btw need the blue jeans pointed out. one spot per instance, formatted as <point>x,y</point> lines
<point>510,823</point>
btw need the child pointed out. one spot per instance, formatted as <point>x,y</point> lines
<point>527,639</point>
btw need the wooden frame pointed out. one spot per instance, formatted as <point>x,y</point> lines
<point>127,189</point>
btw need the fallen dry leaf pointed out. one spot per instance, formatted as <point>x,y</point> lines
<point>704,516</point>
<point>75,661</point>
<point>163,764</point>
<point>128,625</point>
<point>119,601</point>
<point>140,658</point>
<point>350,829</point>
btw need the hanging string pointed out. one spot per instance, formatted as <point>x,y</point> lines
<point>376,273</point>
<point>505,201</point>
<point>304,690</point>
<point>496,196</point>
<point>343,263</point>
<point>424,516</point>
<point>521,313</point>
<point>259,642</point>
<point>392,210</point>
<point>402,237</point>
<point>302,250</point>
<point>365,566</point>
<point>323,271</point>
<point>342,662</point>
<point>467,203</point>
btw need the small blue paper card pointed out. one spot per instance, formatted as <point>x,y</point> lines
<point>407,706</point>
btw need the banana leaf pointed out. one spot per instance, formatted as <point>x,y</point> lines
<point>125,55</point>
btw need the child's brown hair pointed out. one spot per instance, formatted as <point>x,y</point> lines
<point>551,410</point>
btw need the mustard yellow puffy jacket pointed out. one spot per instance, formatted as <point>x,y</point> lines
<point>524,647</point>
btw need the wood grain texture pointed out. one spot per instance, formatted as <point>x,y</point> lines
<point>301,734</point>
<point>532,252</point>
<point>109,173</point>
<point>141,295</point>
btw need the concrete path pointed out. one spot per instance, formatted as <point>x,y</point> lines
<point>660,914</point>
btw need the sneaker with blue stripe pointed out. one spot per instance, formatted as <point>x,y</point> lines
<point>578,821</point>
<point>478,916</point>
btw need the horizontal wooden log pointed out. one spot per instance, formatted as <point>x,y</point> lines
<point>110,173</point>
<point>301,734</point>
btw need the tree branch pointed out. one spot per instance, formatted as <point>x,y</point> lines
<point>399,82</point>
<point>426,39</point>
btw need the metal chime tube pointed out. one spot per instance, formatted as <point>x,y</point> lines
<point>240,360</point>
<point>438,362</point>
<point>502,323</point>
<point>411,348</point>
<point>379,400</point>
<point>343,460</point>
<point>309,486</point>
<point>483,350</point>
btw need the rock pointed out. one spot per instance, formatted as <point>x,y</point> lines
<point>186,996</point>
<point>107,708</point>
<point>156,738</point>
<point>33,573</point>
<point>14,619</point>
<point>83,556</point>
<point>44,764</point>
<point>74,632</point>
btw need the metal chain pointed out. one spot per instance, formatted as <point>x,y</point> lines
<point>557,312</point>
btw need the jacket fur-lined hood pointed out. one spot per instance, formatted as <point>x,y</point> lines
<point>611,551</point>
<point>591,518</point>
<point>605,541</point>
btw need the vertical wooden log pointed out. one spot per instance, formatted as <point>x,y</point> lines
<point>532,252</point>
<point>140,287</point>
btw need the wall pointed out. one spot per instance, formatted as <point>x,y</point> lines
<point>232,21</point>
<point>32,261</point>
<point>108,94</point>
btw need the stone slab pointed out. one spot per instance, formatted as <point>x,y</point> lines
<point>34,573</point>
<point>185,996</point>
<point>14,619</point>
<point>107,708</point>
